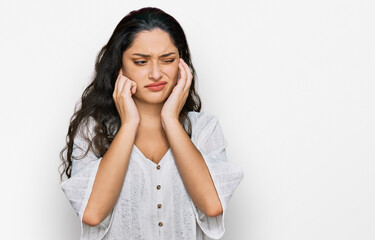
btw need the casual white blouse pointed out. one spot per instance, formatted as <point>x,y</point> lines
<point>154,203</point>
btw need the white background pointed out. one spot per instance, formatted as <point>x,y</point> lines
<point>292,82</point>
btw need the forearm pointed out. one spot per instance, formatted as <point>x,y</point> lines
<point>193,169</point>
<point>110,176</point>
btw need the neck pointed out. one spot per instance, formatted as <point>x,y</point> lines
<point>150,114</point>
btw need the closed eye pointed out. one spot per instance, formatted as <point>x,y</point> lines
<point>143,62</point>
<point>169,60</point>
<point>140,62</point>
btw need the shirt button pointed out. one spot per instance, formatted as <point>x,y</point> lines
<point>158,167</point>
<point>158,187</point>
<point>160,224</point>
<point>159,205</point>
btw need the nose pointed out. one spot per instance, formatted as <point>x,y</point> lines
<point>155,72</point>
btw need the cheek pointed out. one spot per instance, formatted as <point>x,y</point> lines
<point>172,72</point>
<point>134,73</point>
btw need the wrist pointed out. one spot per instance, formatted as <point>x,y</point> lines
<point>129,127</point>
<point>169,122</point>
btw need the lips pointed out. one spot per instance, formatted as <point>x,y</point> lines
<point>156,84</point>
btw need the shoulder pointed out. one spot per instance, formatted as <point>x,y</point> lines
<point>202,118</point>
<point>204,126</point>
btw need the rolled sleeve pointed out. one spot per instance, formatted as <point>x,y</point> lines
<point>79,186</point>
<point>226,176</point>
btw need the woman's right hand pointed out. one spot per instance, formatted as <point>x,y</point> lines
<point>122,95</point>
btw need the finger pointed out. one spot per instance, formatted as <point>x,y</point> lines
<point>183,75</point>
<point>189,76</point>
<point>126,90</point>
<point>115,90</point>
<point>189,79</point>
<point>119,76</point>
<point>121,83</point>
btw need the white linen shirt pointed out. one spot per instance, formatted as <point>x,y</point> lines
<point>154,203</point>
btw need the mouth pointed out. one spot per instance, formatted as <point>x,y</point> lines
<point>156,88</point>
<point>156,84</point>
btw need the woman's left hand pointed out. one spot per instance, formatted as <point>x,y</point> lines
<point>176,100</point>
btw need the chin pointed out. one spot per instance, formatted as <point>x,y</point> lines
<point>157,101</point>
<point>154,98</point>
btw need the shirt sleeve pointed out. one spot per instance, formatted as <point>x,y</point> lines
<point>226,176</point>
<point>79,186</point>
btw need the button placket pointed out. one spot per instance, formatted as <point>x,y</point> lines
<point>159,199</point>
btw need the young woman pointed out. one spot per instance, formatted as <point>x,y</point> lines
<point>142,161</point>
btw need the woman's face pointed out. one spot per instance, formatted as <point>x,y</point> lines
<point>151,58</point>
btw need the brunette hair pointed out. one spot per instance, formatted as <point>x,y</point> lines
<point>97,101</point>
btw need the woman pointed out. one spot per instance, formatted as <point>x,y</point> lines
<point>142,161</point>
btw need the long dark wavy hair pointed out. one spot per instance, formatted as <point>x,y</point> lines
<point>97,101</point>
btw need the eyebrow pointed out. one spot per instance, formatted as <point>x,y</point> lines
<point>146,55</point>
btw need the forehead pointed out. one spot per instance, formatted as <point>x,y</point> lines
<point>153,42</point>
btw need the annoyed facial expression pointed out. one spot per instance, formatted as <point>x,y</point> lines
<point>150,59</point>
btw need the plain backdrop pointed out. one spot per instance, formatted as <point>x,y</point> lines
<point>292,82</point>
